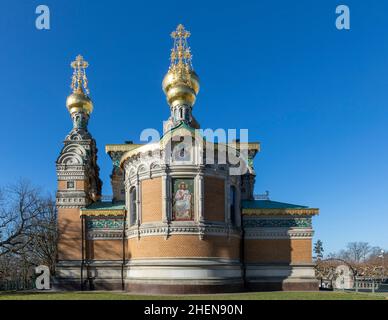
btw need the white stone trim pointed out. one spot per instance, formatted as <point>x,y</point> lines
<point>183,269</point>
<point>185,228</point>
<point>280,271</point>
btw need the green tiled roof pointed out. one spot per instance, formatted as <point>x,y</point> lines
<point>180,125</point>
<point>268,204</point>
<point>106,205</point>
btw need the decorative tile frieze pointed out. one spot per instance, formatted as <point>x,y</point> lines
<point>102,228</point>
<point>278,223</point>
<point>109,224</point>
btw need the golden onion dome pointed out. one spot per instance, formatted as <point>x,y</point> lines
<point>79,102</point>
<point>181,88</point>
<point>181,83</point>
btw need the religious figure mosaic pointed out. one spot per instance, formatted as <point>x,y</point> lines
<point>183,196</point>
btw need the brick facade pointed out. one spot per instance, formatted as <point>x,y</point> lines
<point>105,249</point>
<point>69,229</point>
<point>78,185</point>
<point>214,199</point>
<point>151,200</point>
<point>179,246</point>
<point>278,251</point>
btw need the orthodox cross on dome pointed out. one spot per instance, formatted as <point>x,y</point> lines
<point>180,54</point>
<point>79,81</point>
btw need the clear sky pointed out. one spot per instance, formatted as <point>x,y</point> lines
<point>315,97</point>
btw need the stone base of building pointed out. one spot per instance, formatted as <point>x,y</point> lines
<point>183,276</point>
<point>97,275</point>
<point>75,285</point>
<point>184,288</point>
<point>280,285</point>
<point>144,288</point>
<point>281,277</point>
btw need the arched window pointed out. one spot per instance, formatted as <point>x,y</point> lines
<point>132,206</point>
<point>232,204</point>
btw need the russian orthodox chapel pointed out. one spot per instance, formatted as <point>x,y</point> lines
<point>180,219</point>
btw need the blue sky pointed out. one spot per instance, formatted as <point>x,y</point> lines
<point>315,97</point>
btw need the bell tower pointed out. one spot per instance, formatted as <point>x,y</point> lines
<point>77,171</point>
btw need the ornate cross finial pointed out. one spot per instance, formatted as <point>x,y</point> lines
<point>180,53</point>
<point>79,81</point>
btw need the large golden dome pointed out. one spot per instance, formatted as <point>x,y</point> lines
<point>181,88</point>
<point>79,102</point>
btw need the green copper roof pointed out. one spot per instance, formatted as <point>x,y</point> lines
<point>106,205</point>
<point>268,204</point>
<point>180,125</point>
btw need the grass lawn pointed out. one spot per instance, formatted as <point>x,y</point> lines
<point>323,295</point>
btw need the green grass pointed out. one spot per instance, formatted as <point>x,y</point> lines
<point>239,296</point>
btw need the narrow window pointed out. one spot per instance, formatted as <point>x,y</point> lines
<point>132,206</point>
<point>232,202</point>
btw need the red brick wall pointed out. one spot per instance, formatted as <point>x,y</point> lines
<point>214,199</point>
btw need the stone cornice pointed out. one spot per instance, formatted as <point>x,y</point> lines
<point>121,147</point>
<point>168,230</point>
<point>281,233</point>
<point>104,234</point>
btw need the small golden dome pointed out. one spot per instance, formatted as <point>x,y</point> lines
<point>181,88</point>
<point>79,102</point>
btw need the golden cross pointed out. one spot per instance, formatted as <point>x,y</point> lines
<point>79,81</point>
<point>180,53</point>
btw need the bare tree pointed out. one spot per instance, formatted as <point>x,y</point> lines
<point>367,261</point>
<point>43,245</point>
<point>344,255</point>
<point>375,252</point>
<point>20,206</point>
<point>28,232</point>
<point>358,251</point>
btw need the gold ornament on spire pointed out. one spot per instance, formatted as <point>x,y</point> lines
<point>79,80</point>
<point>181,83</point>
<point>181,55</point>
<point>79,100</point>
